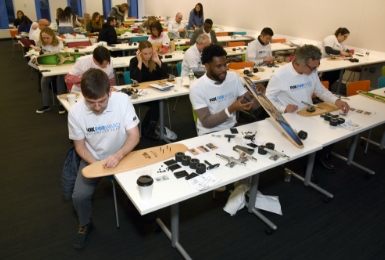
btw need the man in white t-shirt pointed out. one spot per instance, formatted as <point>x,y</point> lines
<point>43,23</point>
<point>218,94</point>
<point>259,50</point>
<point>103,126</point>
<point>192,57</point>
<point>296,82</point>
<point>100,59</point>
<point>177,28</point>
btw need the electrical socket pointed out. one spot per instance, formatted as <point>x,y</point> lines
<point>372,69</point>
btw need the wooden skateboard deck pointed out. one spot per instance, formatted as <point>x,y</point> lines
<point>241,74</point>
<point>135,160</point>
<point>371,96</point>
<point>327,107</point>
<point>58,58</point>
<point>274,113</point>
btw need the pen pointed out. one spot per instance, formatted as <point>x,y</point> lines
<point>308,104</point>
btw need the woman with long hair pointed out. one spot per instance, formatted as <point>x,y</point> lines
<point>118,11</point>
<point>67,20</point>
<point>19,17</point>
<point>25,24</point>
<point>95,25</point>
<point>49,43</point>
<point>147,66</point>
<point>196,18</point>
<point>145,26</point>
<point>157,35</point>
<point>58,12</point>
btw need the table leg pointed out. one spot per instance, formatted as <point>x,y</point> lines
<point>174,234</point>
<point>252,198</point>
<point>161,122</point>
<point>382,143</point>
<point>349,159</point>
<point>309,171</point>
<point>339,82</point>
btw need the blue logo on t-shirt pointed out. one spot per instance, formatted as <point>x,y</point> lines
<point>222,97</point>
<point>103,128</point>
<point>301,86</point>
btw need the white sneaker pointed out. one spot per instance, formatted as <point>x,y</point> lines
<point>170,135</point>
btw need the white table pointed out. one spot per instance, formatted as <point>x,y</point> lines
<point>172,192</point>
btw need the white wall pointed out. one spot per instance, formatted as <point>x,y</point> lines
<point>53,5</point>
<point>27,6</point>
<point>313,19</point>
<point>92,6</point>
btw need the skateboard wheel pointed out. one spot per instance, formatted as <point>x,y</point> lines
<point>201,168</point>
<point>193,163</point>
<point>270,146</point>
<point>302,135</point>
<point>327,117</point>
<point>178,156</point>
<point>334,116</point>
<point>310,109</point>
<point>246,72</point>
<point>322,115</point>
<point>333,121</point>
<point>186,160</point>
<point>341,121</point>
<point>255,70</point>
<point>261,150</point>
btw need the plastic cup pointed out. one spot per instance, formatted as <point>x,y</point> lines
<point>179,81</point>
<point>71,99</point>
<point>145,186</point>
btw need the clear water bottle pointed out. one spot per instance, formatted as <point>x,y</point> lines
<point>191,76</point>
<point>287,175</point>
<point>177,47</point>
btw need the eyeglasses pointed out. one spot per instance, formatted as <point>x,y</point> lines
<point>313,67</point>
<point>102,103</point>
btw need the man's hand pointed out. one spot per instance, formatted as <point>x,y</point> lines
<point>237,105</point>
<point>261,87</point>
<point>269,60</point>
<point>291,108</point>
<point>345,54</point>
<point>112,161</point>
<point>342,105</point>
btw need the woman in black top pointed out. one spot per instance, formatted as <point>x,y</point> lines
<point>95,25</point>
<point>19,18</point>
<point>146,66</point>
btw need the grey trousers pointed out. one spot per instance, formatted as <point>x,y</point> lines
<point>83,190</point>
<point>45,83</point>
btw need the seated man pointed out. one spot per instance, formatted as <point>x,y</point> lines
<point>208,24</point>
<point>35,35</point>
<point>108,33</point>
<point>192,57</point>
<point>114,114</point>
<point>259,50</point>
<point>296,82</point>
<point>218,94</point>
<point>176,28</point>
<point>100,59</point>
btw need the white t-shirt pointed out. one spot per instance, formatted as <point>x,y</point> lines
<point>31,30</point>
<point>50,48</point>
<point>256,52</point>
<point>287,86</point>
<point>105,133</point>
<point>163,39</point>
<point>35,35</point>
<point>208,34</point>
<point>83,64</point>
<point>173,27</point>
<point>332,42</point>
<point>192,60</point>
<point>205,93</point>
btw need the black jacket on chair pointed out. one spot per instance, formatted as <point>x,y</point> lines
<point>108,34</point>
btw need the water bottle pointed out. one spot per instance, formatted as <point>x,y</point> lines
<point>191,76</point>
<point>177,47</point>
<point>287,175</point>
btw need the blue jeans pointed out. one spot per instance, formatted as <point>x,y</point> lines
<point>66,29</point>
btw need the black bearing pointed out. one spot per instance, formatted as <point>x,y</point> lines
<point>201,168</point>
<point>178,156</point>
<point>193,163</point>
<point>186,160</point>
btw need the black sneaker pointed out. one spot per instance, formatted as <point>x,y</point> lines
<point>43,109</point>
<point>62,110</point>
<point>82,235</point>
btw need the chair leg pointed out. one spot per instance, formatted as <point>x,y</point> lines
<point>176,101</point>
<point>116,207</point>
<point>367,141</point>
<point>169,120</point>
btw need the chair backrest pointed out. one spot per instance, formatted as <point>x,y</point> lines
<point>127,77</point>
<point>222,34</point>
<point>279,40</point>
<point>179,68</point>
<point>138,39</point>
<point>239,33</point>
<point>352,87</point>
<point>235,44</point>
<point>135,30</point>
<point>13,33</point>
<point>381,82</point>
<point>77,44</point>
<point>325,84</point>
<point>241,65</point>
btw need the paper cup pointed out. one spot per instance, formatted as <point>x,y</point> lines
<point>179,81</point>
<point>71,99</point>
<point>145,186</point>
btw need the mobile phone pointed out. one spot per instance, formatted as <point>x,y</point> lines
<point>233,130</point>
<point>170,162</point>
<point>252,145</point>
<point>174,167</point>
<point>180,174</point>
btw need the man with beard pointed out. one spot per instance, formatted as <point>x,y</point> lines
<point>218,94</point>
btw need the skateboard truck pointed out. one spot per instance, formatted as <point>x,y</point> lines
<point>274,154</point>
<point>134,83</point>
<point>170,78</point>
<point>231,161</point>
<point>244,155</point>
<point>211,166</point>
<point>229,137</point>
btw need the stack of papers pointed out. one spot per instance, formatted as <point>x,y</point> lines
<point>162,85</point>
<point>203,181</point>
<point>350,125</point>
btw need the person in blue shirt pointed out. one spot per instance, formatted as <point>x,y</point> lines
<point>196,18</point>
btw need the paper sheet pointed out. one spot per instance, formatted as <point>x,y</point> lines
<point>268,203</point>
<point>203,181</point>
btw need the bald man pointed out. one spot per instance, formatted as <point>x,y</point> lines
<point>192,57</point>
<point>177,28</point>
<point>43,23</point>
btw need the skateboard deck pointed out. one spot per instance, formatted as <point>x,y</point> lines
<point>274,113</point>
<point>371,96</point>
<point>58,58</point>
<point>327,107</point>
<point>241,74</point>
<point>135,160</point>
